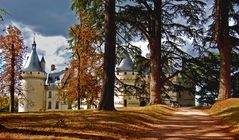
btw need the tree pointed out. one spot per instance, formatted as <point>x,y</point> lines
<point>203,72</point>
<point>226,39</point>
<point>12,49</point>
<point>94,10</point>
<point>2,13</point>
<point>156,21</point>
<point>84,76</point>
<point>5,103</point>
<point>141,19</point>
<point>225,42</point>
<point>107,97</point>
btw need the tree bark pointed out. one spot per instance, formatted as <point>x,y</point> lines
<point>155,81</point>
<point>107,97</point>
<point>224,45</point>
<point>225,73</point>
<point>78,83</point>
<point>12,79</point>
<point>155,51</point>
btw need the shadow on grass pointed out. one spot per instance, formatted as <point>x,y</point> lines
<point>110,125</point>
<point>56,134</point>
<point>127,124</point>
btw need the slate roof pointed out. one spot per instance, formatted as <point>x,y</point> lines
<point>55,76</point>
<point>125,65</point>
<point>33,63</point>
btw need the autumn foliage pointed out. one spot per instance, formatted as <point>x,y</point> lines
<point>12,49</point>
<point>84,75</point>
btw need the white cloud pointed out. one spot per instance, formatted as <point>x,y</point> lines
<point>47,46</point>
<point>143,45</point>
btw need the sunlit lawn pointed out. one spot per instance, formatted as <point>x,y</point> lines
<point>228,110</point>
<point>124,123</point>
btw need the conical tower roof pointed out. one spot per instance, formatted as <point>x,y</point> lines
<point>33,63</point>
<point>125,65</point>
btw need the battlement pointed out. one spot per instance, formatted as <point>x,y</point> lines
<point>32,74</point>
<point>121,73</point>
<point>126,75</point>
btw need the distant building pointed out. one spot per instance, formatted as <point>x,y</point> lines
<point>126,73</point>
<point>129,96</point>
<point>41,90</point>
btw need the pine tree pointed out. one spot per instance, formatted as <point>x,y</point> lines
<point>158,23</point>
<point>225,43</point>
<point>225,37</point>
<point>107,97</point>
<point>155,21</point>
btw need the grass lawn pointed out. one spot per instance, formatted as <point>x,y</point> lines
<point>228,110</point>
<point>85,124</point>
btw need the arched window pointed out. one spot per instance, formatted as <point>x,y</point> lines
<point>57,78</point>
<point>57,105</point>
<point>49,105</point>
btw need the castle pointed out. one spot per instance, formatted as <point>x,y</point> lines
<point>40,90</point>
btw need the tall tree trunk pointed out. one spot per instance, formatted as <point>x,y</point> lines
<point>155,81</point>
<point>107,98</point>
<point>225,73</point>
<point>155,51</point>
<point>224,45</point>
<point>78,84</point>
<point>12,80</point>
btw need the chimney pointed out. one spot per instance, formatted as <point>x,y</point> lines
<point>53,67</point>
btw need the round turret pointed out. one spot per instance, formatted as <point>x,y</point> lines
<point>33,84</point>
<point>125,71</point>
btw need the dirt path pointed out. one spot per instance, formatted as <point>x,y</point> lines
<point>191,124</point>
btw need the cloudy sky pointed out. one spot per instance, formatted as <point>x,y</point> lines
<point>49,20</point>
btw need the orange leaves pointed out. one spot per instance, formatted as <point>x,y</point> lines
<point>12,49</point>
<point>86,62</point>
<point>12,38</point>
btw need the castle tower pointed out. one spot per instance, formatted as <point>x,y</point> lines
<point>125,71</point>
<point>126,74</point>
<point>33,84</point>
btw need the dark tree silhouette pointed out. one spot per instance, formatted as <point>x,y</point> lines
<point>225,42</point>
<point>107,98</point>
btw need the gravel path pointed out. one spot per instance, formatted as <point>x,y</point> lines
<point>191,124</point>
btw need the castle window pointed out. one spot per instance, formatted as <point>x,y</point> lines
<point>117,73</point>
<point>57,78</point>
<point>49,94</point>
<point>49,105</point>
<point>125,73</point>
<point>125,103</point>
<point>57,105</point>
<point>38,72</point>
<point>30,72</point>
<point>49,80</point>
<point>132,73</point>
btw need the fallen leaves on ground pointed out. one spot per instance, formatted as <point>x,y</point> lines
<point>124,123</point>
<point>228,110</point>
